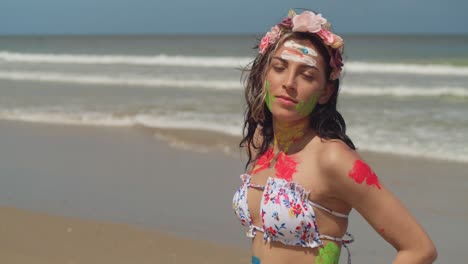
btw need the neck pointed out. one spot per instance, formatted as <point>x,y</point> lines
<point>287,134</point>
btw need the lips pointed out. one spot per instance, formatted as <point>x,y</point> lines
<point>287,98</point>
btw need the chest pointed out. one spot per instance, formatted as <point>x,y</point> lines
<point>295,169</point>
<point>301,168</point>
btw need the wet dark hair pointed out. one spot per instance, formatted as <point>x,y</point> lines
<point>325,119</point>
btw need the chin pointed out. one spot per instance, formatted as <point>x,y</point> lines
<point>283,114</point>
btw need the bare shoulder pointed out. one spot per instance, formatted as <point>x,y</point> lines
<point>335,156</point>
<point>353,182</point>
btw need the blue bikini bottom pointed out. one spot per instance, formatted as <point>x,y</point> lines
<point>255,260</point>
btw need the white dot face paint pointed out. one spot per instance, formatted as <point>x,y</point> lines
<point>299,53</point>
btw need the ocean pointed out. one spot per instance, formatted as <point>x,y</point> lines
<point>406,95</point>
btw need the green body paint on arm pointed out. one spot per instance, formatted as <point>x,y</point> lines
<point>330,254</point>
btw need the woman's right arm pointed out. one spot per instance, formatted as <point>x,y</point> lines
<point>357,185</point>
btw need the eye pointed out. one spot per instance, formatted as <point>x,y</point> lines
<point>278,68</point>
<point>308,76</point>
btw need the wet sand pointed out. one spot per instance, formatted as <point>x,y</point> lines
<point>122,190</point>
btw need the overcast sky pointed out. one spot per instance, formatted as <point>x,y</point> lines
<point>227,16</point>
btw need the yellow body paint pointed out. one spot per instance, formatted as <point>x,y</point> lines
<point>287,135</point>
<point>330,254</point>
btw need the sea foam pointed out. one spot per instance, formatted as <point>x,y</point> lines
<point>223,62</point>
<point>149,81</point>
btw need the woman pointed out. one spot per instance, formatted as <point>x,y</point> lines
<point>304,173</point>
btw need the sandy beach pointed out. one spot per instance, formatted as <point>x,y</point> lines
<point>29,237</point>
<point>77,194</point>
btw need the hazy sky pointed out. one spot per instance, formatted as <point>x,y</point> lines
<point>226,16</point>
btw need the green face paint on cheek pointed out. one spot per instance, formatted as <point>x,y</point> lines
<point>304,108</point>
<point>328,255</point>
<point>269,99</point>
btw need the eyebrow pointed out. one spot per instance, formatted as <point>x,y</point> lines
<point>301,66</point>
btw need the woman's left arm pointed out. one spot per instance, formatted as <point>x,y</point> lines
<point>353,182</point>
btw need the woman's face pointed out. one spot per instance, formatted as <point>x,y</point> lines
<point>295,81</point>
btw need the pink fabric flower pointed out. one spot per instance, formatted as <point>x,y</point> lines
<point>274,34</point>
<point>264,43</point>
<point>270,37</point>
<point>308,22</point>
<point>326,35</point>
<point>337,43</point>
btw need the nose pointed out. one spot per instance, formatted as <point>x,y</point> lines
<point>290,80</point>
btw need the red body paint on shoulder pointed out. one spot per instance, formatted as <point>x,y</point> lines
<point>264,161</point>
<point>285,167</point>
<point>362,172</point>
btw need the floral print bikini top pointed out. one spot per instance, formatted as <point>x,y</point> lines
<point>287,214</point>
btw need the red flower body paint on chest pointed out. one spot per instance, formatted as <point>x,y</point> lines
<point>285,166</point>
<point>362,172</point>
<point>264,161</point>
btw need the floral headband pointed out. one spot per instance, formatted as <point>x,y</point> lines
<point>310,22</point>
